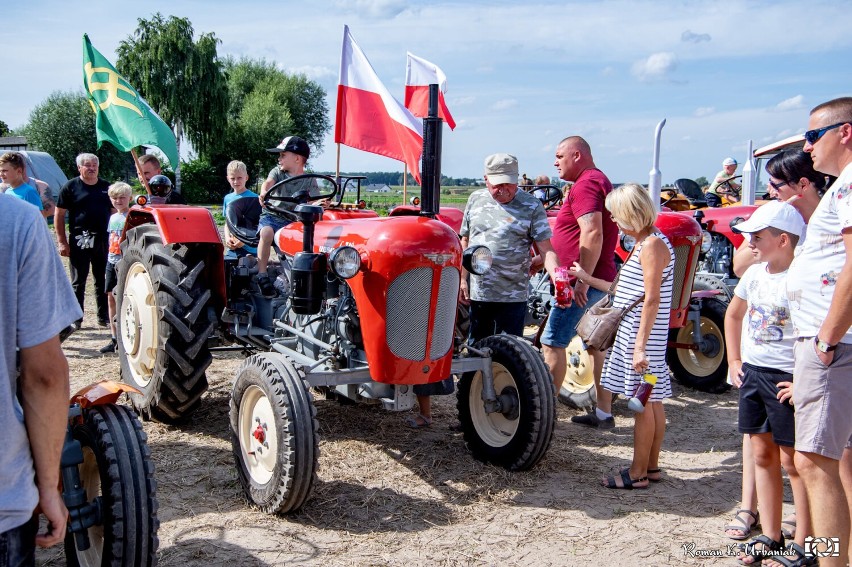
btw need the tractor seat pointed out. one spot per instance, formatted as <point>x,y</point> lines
<point>242,217</point>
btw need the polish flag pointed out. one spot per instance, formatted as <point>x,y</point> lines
<point>419,74</point>
<point>368,117</point>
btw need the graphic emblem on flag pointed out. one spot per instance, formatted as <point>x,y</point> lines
<point>122,117</point>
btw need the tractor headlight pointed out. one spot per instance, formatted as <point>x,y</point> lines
<point>345,262</point>
<point>627,242</point>
<point>706,241</point>
<point>477,259</point>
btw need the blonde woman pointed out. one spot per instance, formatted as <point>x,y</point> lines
<point>640,344</point>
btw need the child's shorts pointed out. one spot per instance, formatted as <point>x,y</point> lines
<point>760,410</point>
<point>110,279</point>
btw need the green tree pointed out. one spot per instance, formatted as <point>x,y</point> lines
<point>4,129</point>
<point>180,78</point>
<point>64,126</point>
<point>266,104</point>
<point>702,181</point>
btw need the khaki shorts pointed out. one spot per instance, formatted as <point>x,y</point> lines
<point>823,398</point>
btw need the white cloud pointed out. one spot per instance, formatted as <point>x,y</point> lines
<point>378,9</point>
<point>691,37</point>
<point>704,111</point>
<point>315,72</point>
<point>793,103</point>
<point>504,104</point>
<point>462,101</point>
<point>608,71</point>
<point>656,67</point>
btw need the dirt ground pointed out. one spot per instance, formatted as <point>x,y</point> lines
<point>390,495</point>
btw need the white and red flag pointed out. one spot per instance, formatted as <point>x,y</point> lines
<point>368,117</point>
<point>419,74</point>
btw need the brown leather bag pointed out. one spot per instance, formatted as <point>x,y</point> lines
<point>599,324</point>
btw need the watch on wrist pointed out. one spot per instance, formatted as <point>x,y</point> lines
<point>823,346</point>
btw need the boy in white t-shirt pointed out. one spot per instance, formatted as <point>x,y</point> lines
<point>760,360</point>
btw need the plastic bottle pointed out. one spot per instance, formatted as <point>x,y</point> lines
<point>643,392</point>
<point>562,283</point>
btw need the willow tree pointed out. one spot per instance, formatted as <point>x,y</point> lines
<point>181,78</point>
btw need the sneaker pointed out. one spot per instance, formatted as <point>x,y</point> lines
<point>265,285</point>
<point>591,420</point>
<point>111,346</point>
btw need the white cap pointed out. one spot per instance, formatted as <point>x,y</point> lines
<point>729,161</point>
<point>775,214</point>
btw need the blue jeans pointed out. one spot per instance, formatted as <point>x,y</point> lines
<point>17,546</point>
<point>560,327</point>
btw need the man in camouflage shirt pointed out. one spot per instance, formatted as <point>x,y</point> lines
<point>508,221</point>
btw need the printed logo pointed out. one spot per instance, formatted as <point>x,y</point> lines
<point>822,546</point>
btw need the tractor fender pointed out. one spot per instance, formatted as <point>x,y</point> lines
<point>178,224</point>
<point>101,393</point>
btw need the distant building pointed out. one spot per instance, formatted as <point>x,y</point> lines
<point>13,144</point>
<point>377,188</point>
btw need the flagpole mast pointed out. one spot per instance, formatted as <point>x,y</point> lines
<point>337,172</point>
<point>139,171</point>
<point>404,182</point>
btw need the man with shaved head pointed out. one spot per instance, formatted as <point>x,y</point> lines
<point>584,233</point>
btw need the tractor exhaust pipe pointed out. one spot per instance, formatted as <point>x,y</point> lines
<point>430,188</point>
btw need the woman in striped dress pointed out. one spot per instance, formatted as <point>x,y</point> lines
<point>640,344</point>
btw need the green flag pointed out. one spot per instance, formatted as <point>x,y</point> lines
<point>122,117</point>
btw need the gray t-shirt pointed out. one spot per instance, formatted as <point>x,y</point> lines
<point>36,302</point>
<point>508,230</point>
<point>276,175</point>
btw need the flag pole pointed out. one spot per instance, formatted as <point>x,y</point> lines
<point>404,183</point>
<point>139,171</point>
<point>337,172</point>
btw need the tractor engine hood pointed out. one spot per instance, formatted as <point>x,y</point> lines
<point>406,290</point>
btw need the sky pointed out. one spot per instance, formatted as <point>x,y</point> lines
<point>521,76</point>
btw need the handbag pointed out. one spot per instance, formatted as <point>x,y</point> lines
<point>599,324</point>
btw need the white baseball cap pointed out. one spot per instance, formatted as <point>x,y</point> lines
<point>775,214</point>
<point>729,161</point>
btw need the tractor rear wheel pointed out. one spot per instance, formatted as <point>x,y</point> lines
<point>116,468</point>
<point>517,437</point>
<point>578,388</point>
<point>164,318</point>
<point>704,369</point>
<point>274,433</point>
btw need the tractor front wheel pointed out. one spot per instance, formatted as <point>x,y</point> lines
<point>274,433</point>
<point>706,368</point>
<point>517,436</point>
<point>116,469</point>
<point>164,318</point>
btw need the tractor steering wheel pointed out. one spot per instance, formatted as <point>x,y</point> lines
<point>725,188</point>
<point>300,189</point>
<point>552,195</point>
<point>672,194</point>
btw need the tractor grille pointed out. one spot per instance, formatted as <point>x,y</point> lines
<point>408,313</point>
<point>682,289</point>
<point>445,315</point>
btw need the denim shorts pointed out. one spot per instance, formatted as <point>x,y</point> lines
<point>273,221</point>
<point>559,329</point>
<point>17,546</point>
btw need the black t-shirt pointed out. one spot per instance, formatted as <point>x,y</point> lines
<point>88,206</point>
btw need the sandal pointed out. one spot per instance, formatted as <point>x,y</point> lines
<point>788,528</point>
<point>794,556</point>
<point>418,421</point>
<point>627,483</point>
<point>744,525</point>
<point>657,475</point>
<point>758,555</point>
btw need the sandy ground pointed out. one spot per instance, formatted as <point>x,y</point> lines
<point>390,495</point>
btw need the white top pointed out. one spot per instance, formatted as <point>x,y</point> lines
<point>768,334</point>
<point>812,276</point>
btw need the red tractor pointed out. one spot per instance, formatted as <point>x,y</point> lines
<point>366,308</point>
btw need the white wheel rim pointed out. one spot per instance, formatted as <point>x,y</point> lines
<point>140,324</point>
<point>258,436</point>
<point>90,476</point>
<point>580,368</point>
<point>693,361</point>
<point>494,428</point>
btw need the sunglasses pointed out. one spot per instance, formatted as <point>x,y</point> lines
<point>811,136</point>
<point>778,186</point>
